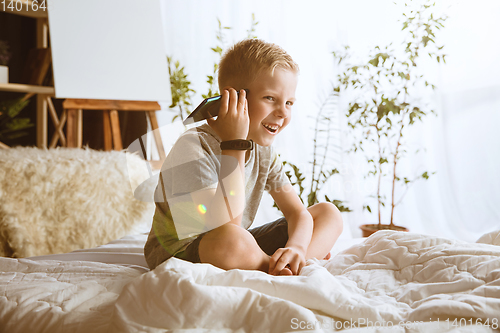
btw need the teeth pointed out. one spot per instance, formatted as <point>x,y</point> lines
<point>271,127</point>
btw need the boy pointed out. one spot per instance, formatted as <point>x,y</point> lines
<point>213,178</point>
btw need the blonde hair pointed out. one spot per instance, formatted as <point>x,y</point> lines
<point>247,59</point>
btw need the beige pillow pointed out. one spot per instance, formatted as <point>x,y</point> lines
<point>490,238</point>
<point>63,199</point>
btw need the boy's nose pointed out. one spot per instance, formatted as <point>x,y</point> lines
<point>281,112</point>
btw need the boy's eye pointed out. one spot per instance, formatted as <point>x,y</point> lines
<point>269,98</point>
<point>289,103</point>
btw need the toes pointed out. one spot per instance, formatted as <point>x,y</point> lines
<point>286,271</point>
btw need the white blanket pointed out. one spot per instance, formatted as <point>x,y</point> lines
<point>389,280</point>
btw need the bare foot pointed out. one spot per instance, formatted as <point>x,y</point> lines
<point>328,256</point>
<point>286,271</point>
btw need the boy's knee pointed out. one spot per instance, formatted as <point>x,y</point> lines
<point>329,208</point>
<point>228,246</point>
<point>224,237</point>
<point>324,209</point>
<point>326,212</point>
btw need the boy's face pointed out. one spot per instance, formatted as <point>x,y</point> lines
<point>270,99</point>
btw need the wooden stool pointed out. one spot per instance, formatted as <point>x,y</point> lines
<point>72,114</point>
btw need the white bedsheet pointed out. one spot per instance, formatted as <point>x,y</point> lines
<point>59,296</point>
<point>391,277</point>
<point>127,251</point>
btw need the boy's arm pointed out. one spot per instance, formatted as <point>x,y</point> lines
<point>227,202</point>
<point>300,228</point>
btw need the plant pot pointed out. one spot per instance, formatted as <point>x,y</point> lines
<point>370,229</point>
<point>4,74</point>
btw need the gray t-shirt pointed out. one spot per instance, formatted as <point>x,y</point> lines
<point>193,164</point>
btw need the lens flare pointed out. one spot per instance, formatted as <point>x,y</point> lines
<point>202,209</point>
<point>231,193</point>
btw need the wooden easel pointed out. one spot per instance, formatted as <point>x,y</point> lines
<point>72,115</point>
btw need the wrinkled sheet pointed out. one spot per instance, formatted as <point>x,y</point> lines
<point>391,279</point>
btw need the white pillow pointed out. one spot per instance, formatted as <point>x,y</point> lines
<point>490,238</point>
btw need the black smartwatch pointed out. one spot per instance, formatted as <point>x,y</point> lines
<point>236,145</point>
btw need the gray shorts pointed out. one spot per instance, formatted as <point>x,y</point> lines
<point>270,237</point>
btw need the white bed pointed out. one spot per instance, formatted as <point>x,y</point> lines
<point>391,280</point>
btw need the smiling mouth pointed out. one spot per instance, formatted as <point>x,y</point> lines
<point>271,128</point>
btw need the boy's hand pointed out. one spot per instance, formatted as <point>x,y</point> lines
<point>232,122</point>
<point>288,257</point>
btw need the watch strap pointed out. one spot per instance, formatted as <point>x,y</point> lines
<point>237,145</point>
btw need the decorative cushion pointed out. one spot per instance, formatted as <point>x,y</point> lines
<point>63,199</point>
<point>490,238</point>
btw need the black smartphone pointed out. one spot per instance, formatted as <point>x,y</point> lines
<point>208,108</point>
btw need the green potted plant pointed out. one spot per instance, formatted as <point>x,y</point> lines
<point>11,126</point>
<point>385,98</point>
<point>180,88</point>
<point>4,60</point>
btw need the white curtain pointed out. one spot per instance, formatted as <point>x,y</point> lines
<point>461,144</point>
